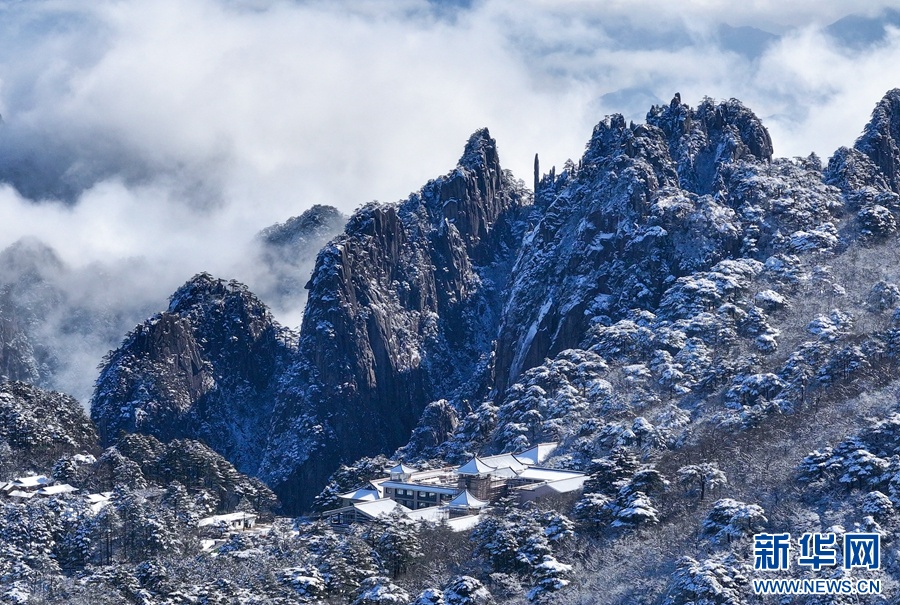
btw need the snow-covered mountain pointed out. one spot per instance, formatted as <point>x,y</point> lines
<point>402,310</point>
<point>206,368</point>
<point>710,332</point>
<point>286,255</point>
<point>662,273</point>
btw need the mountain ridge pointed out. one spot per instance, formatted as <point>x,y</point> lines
<point>457,293</point>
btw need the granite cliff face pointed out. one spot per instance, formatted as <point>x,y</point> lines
<point>205,368</point>
<point>402,310</point>
<point>880,141</point>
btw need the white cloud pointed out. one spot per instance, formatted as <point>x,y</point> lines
<point>195,123</point>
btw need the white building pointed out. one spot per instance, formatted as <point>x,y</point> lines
<point>97,501</point>
<point>57,490</point>
<point>231,521</point>
<point>32,482</point>
<point>450,493</point>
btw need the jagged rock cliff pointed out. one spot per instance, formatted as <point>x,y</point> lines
<point>880,141</point>
<point>206,368</point>
<point>664,261</point>
<point>635,213</point>
<point>646,313</point>
<point>402,310</point>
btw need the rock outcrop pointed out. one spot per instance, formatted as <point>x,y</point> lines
<point>880,141</point>
<point>288,253</point>
<point>403,308</point>
<point>206,368</point>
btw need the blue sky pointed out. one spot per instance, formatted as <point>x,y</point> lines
<point>172,131</point>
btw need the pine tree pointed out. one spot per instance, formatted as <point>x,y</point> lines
<point>705,476</point>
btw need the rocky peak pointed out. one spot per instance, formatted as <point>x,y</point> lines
<point>471,198</point>
<point>733,118</point>
<point>631,216</point>
<point>704,140</point>
<point>203,369</point>
<point>880,140</point>
<point>851,170</point>
<point>29,273</point>
<point>480,153</point>
<point>608,138</point>
<point>286,253</point>
<point>316,222</point>
<point>29,260</point>
<point>216,305</point>
<point>201,289</point>
<point>617,146</point>
<point>402,308</point>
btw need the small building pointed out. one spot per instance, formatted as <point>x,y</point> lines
<point>465,504</point>
<point>362,512</point>
<point>232,521</point>
<point>98,501</point>
<point>486,478</point>
<point>364,494</point>
<point>536,482</point>
<point>21,495</point>
<point>539,453</point>
<point>401,472</point>
<point>57,490</point>
<point>32,482</point>
<point>422,489</point>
